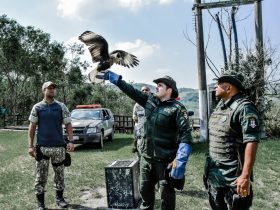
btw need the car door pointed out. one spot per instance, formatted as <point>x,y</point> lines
<point>111,121</point>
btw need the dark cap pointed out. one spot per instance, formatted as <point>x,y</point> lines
<point>48,84</point>
<point>169,81</point>
<point>233,78</point>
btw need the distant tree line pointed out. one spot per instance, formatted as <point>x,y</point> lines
<point>28,58</point>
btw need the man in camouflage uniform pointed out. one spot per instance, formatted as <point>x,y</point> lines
<point>49,115</point>
<point>138,117</point>
<point>233,140</point>
<point>166,140</point>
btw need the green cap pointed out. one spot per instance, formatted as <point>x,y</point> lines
<point>233,78</point>
<point>169,81</point>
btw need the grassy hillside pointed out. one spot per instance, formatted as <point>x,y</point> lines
<point>188,96</point>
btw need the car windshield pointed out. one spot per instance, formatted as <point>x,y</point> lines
<point>85,114</point>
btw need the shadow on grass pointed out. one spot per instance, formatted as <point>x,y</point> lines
<point>116,144</point>
<point>200,147</point>
<point>79,207</point>
<point>195,193</point>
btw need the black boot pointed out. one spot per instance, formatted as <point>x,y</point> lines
<point>60,200</point>
<point>41,201</point>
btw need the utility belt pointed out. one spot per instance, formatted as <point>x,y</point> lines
<point>40,156</point>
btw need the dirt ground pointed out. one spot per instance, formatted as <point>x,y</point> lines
<point>94,199</point>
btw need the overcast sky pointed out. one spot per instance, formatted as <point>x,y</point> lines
<point>153,30</point>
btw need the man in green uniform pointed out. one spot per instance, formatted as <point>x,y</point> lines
<point>233,140</point>
<point>166,140</point>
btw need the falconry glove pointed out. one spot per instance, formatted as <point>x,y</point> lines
<point>111,76</point>
<point>179,164</point>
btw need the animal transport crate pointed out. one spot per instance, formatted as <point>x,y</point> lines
<point>122,184</point>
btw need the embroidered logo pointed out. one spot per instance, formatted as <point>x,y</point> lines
<point>169,109</point>
<point>252,122</point>
<point>186,115</point>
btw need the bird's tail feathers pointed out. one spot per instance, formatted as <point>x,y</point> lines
<point>94,77</point>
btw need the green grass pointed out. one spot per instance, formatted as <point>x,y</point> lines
<point>17,171</point>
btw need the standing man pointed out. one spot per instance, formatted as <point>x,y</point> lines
<point>138,119</point>
<point>166,140</point>
<point>233,140</point>
<point>49,115</point>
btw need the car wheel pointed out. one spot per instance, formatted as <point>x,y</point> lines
<point>100,144</point>
<point>111,136</point>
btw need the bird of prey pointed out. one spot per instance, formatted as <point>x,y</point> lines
<point>98,48</point>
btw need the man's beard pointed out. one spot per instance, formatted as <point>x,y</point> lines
<point>51,97</point>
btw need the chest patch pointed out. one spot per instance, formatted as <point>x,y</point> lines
<point>169,109</point>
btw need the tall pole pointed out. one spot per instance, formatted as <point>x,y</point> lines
<point>222,41</point>
<point>202,87</point>
<point>260,74</point>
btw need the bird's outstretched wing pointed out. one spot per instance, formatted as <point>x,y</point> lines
<point>98,46</point>
<point>123,58</point>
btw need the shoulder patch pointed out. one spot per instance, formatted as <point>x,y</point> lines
<point>186,115</point>
<point>252,123</point>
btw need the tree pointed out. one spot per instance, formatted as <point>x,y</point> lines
<point>28,58</point>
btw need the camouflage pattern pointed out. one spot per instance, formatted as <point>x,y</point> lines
<point>56,155</point>
<point>34,112</point>
<point>139,113</point>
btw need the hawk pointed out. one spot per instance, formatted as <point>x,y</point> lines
<point>98,48</point>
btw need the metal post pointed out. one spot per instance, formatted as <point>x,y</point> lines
<point>202,87</point>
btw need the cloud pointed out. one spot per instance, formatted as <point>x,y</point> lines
<point>84,9</point>
<point>139,48</point>
<point>165,1</point>
<point>134,4</point>
<point>70,8</point>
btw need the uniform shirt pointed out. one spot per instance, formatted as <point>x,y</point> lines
<point>139,113</point>
<point>49,118</point>
<point>244,122</point>
<point>166,124</point>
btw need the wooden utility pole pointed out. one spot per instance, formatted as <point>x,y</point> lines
<point>260,74</point>
<point>202,85</point>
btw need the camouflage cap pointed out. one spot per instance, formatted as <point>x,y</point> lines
<point>233,78</point>
<point>48,84</point>
<point>169,81</point>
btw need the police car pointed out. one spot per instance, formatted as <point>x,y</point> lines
<point>91,124</point>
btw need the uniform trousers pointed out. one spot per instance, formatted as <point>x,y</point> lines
<point>151,173</point>
<point>56,155</point>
